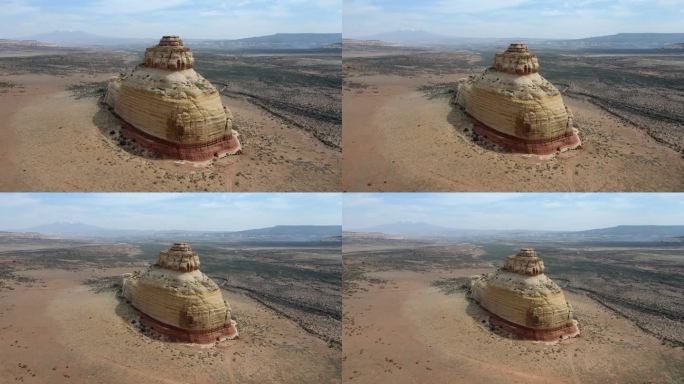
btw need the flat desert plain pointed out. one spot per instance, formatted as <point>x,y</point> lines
<point>56,136</point>
<point>61,321</point>
<point>409,321</point>
<point>402,133</point>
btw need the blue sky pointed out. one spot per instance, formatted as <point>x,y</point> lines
<point>537,211</point>
<point>184,211</point>
<point>187,18</point>
<point>513,18</point>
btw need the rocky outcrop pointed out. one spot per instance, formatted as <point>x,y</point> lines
<point>179,301</point>
<point>170,109</point>
<point>524,301</point>
<point>170,54</point>
<point>516,60</point>
<point>517,108</point>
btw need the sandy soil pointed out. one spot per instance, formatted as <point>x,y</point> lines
<point>397,139</point>
<point>51,141</point>
<point>407,331</point>
<point>58,330</point>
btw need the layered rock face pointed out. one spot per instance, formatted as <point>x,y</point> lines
<point>170,54</point>
<point>179,257</point>
<point>170,109</point>
<point>517,108</point>
<point>524,301</point>
<point>179,301</point>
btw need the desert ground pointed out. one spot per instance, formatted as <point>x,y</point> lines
<point>55,135</point>
<point>407,320</point>
<point>62,321</point>
<point>402,133</point>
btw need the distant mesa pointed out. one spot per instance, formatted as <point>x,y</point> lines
<point>169,109</point>
<point>515,107</point>
<point>523,301</point>
<point>178,301</point>
<point>18,44</point>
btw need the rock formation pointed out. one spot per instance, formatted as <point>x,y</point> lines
<point>523,301</point>
<point>515,107</point>
<point>178,301</point>
<point>170,109</point>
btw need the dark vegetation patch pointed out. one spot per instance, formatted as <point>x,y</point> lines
<point>88,89</point>
<point>416,259</point>
<point>642,88</point>
<point>65,64</point>
<point>438,90</point>
<point>9,278</point>
<point>105,284</point>
<point>450,286</point>
<point>74,257</point>
<point>302,284</point>
<point>302,89</point>
<point>6,86</point>
<point>412,65</point>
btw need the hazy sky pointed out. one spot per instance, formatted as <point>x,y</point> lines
<point>154,18</point>
<point>537,211</point>
<point>185,211</point>
<point>513,18</point>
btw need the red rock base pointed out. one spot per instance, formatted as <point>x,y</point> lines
<point>537,147</point>
<point>227,145</point>
<point>186,336</point>
<point>570,330</point>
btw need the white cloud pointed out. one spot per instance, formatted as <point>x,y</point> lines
<point>131,6</point>
<point>359,7</point>
<point>469,6</point>
<point>17,7</point>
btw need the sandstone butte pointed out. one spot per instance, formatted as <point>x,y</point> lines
<point>523,301</point>
<point>513,106</point>
<point>177,300</point>
<point>171,110</point>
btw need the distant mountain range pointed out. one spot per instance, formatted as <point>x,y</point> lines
<point>276,233</point>
<point>412,229</point>
<point>276,41</point>
<point>618,233</point>
<point>333,233</point>
<point>624,41</point>
<point>617,41</point>
<point>637,231</point>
